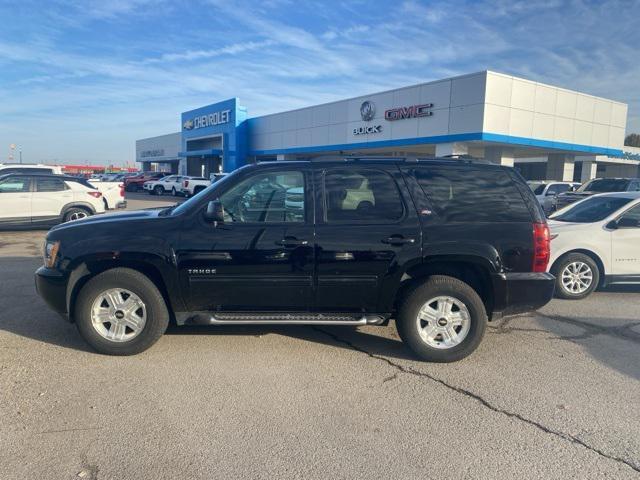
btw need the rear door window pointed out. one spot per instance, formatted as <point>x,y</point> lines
<point>472,195</point>
<point>50,185</point>
<point>361,195</point>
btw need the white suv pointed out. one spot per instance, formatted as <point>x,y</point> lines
<point>172,184</point>
<point>44,200</point>
<point>594,242</point>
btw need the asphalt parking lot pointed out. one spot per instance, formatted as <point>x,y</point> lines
<point>549,395</point>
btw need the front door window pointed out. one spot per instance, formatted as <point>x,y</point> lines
<point>266,198</point>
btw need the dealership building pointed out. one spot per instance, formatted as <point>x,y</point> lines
<point>546,132</point>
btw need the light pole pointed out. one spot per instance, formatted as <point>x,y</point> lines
<point>20,152</point>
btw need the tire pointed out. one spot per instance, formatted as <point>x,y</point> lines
<point>565,270</point>
<point>173,191</point>
<point>152,315</point>
<point>197,190</point>
<point>75,213</point>
<point>468,333</point>
<point>158,190</point>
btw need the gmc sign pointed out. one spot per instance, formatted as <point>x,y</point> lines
<point>413,111</point>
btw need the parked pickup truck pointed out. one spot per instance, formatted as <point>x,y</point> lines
<point>440,246</point>
<point>194,185</point>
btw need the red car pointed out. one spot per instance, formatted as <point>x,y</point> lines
<point>134,184</point>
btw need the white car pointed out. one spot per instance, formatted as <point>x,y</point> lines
<point>30,168</point>
<point>547,191</point>
<point>595,242</point>
<point>45,200</point>
<point>171,183</point>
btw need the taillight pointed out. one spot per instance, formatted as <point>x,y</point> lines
<point>95,194</point>
<point>541,247</point>
<point>186,183</point>
<point>121,189</point>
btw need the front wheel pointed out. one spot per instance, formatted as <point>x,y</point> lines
<point>121,312</point>
<point>442,320</point>
<point>577,276</point>
<point>158,190</point>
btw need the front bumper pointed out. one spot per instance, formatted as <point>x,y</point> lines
<point>516,293</point>
<point>51,285</point>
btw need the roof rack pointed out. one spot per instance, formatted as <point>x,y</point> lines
<point>366,158</point>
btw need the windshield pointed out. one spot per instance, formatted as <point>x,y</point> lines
<point>590,210</point>
<point>196,198</point>
<point>605,185</point>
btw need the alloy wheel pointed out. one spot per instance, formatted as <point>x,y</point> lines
<point>118,315</point>
<point>443,322</point>
<point>577,277</point>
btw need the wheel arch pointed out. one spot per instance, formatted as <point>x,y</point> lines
<point>589,253</point>
<point>88,268</point>
<point>84,205</point>
<point>471,269</point>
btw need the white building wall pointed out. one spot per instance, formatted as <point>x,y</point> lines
<point>457,108</point>
<point>168,145</point>
<point>522,108</point>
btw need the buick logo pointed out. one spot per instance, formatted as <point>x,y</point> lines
<point>367,111</point>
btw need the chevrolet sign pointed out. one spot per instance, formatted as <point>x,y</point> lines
<point>209,120</point>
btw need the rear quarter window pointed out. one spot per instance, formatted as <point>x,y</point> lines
<point>472,195</point>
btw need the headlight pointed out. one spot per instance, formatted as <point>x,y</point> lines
<point>50,253</point>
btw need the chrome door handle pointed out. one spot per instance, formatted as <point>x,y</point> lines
<point>292,242</point>
<point>398,240</point>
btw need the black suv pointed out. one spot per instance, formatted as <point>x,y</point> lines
<point>442,246</point>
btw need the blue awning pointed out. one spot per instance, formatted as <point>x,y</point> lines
<point>200,153</point>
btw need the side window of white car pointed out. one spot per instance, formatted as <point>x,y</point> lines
<point>631,219</point>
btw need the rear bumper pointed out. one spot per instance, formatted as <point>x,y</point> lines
<point>51,285</point>
<point>516,293</point>
<point>121,204</point>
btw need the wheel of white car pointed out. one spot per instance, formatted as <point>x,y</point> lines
<point>75,213</point>
<point>173,191</point>
<point>158,190</point>
<point>577,276</point>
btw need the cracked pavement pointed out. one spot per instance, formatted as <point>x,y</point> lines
<point>551,395</point>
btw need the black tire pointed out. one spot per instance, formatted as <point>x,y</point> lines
<point>197,190</point>
<point>157,315</point>
<point>563,263</point>
<point>75,213</point>
<point>436,286</point>
<point>158,190</point>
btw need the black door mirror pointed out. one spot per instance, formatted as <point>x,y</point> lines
<point>627,222</point>
<point>214,212</point>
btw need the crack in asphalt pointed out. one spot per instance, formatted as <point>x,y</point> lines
<point>478,398</point>
<point>624,332</point>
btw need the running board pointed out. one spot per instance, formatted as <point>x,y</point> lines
<point>275,318</point>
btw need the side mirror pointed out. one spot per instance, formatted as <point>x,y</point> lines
<point>214,212</point>
<point>627,223</point>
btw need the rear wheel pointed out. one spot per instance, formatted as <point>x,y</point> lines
<point>442,320</point>
<point>197,190</point>
<point>75,213</point>
<point>121,312</point>
<point>577,276</point>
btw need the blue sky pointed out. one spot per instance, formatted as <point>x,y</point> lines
<point>81,80</point>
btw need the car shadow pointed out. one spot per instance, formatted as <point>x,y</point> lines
<point>344,337</point>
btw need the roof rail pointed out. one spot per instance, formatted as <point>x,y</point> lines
<point>366,158</point>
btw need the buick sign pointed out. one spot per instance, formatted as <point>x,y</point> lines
<point>367,130</point>
<point>367,111</point>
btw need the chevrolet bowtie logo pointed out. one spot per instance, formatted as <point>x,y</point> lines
<point>188,125</point>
